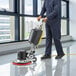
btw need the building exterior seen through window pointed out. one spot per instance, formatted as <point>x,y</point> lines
<point>27,8</point>
<point>6,28</point>
<point>6,5</point>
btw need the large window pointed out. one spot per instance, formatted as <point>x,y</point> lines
<point>18,17</point>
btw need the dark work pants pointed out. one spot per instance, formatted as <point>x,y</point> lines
<point>57,42</point>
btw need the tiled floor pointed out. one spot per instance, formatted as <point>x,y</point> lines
<point>49,67</point>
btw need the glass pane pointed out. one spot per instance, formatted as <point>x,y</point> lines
<point>6,5</point>
<point>26,7</point>
<point>63,9</point>
<point>6,29</point>
<point>63,27</point>
<point>40,4</point>
<point>28,23</point>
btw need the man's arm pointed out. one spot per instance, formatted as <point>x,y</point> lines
<point>43,9</point>
<point>57,7</point>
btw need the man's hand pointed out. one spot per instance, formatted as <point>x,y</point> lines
<point>38,18</point>
<point>45,19</point>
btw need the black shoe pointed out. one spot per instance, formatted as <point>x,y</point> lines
<point>46,56</point>
<point>59,56</point>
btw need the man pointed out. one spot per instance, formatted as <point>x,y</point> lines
<point>53,27</point>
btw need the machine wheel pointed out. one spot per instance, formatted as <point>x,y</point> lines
<point>34,59</point>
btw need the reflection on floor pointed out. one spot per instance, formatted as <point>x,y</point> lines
<point>49,67</point>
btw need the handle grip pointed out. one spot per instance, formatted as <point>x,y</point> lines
<point>40,27</point>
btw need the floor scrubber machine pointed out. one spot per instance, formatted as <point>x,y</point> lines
<point>25,57</point>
